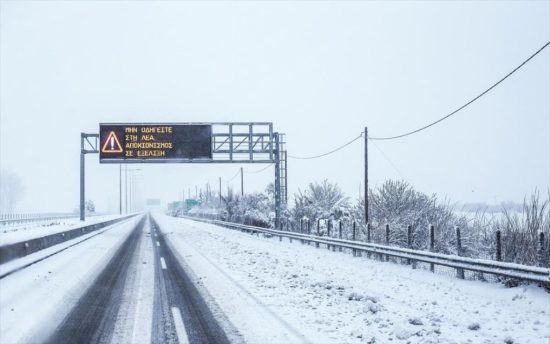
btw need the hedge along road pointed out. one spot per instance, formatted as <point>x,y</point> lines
<point>177,311</point>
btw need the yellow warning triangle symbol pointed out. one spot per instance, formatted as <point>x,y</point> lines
<point>112,144</point>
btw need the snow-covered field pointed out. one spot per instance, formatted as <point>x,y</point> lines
<point>288,292</point>
<point>16,233</point>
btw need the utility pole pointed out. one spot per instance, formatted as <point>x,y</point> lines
<point>196,192</point>
<point>242,183</point>
<point>130,193</point>
<point>220,190</point>
<point>120,189</point>
<point>366,177</point>
<point>126,189</point>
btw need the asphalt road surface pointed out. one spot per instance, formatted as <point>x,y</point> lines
<point>179,312</point>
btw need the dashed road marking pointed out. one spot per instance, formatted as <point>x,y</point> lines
<point>180,327</point>
<point>158,244</point>
<point>162,263</point>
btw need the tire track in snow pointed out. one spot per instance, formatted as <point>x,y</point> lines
<point>93,318</point>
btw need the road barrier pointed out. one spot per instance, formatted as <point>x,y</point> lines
<point>12,219</point>
<point>461,264</point>
<point>23,248</point>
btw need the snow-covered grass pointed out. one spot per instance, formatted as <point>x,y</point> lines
<point>31,230</point>
<point>331,297</point>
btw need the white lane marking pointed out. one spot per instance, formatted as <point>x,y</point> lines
<point>180,327</point>
<point>162,263</point>
<point>158,244</point>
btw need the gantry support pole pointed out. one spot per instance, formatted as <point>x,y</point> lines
<point>277,182</point>
<point>366,177</point>
<point>82,180</point>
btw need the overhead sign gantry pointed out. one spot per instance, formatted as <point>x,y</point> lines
<point>224,142</point>
<point>152,143</point>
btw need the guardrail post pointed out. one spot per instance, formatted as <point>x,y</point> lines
<point>387,239</point>
<point>329,224</point>
<point>318,232</point>
<point>302,229</point>
<point>353,238</point>
<point>340,234</point>
<point>432,245</point>
<point>368,240</point>
<point>309,230</point>
<point>409,241</point>
<point>333,246</point>
<point>459,271</point>
<point>540,250</point>
<point>499,247</point>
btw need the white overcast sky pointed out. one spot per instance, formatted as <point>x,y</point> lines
<point>320,71</point>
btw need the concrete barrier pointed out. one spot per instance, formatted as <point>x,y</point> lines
<point>21,249</point>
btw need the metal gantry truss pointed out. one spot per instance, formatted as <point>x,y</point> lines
<point>243,143</point>
<point>232,142</point>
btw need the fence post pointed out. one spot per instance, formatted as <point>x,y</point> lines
<point>459,271</point>
<point>340,234</point>
<point>432,245</point>
<point>329,224</point>
<point>302,230</point>
<point>387,239</point>
<point>318,232</point>
<point>368,238</point>
<point>409,241</point>
<point>353,238</point>
<point>499,247</point>
<point>540,250</point>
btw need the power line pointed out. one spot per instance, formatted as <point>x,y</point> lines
<point>468,103</point>
<point>235,176</point>
<point>327,153</point>
<point>387,159</point>
<point>260,170</point>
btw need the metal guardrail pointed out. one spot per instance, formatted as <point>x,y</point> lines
<point>511,270</point>
<point>10,219</point>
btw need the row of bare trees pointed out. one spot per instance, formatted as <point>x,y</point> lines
<point>408,214</point>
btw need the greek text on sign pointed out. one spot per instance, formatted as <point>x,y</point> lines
<point>147,142</point>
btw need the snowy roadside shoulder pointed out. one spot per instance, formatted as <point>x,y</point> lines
<point>332,297</point>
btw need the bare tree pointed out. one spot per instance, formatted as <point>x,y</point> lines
<point>11,191</point>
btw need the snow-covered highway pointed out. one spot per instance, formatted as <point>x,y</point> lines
<point>158,279</point>
<point>123,286</point>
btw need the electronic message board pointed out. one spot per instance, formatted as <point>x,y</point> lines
<point>154,142</point>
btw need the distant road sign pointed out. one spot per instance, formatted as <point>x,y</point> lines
<point>154,142</point>
<point>152,201</point>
